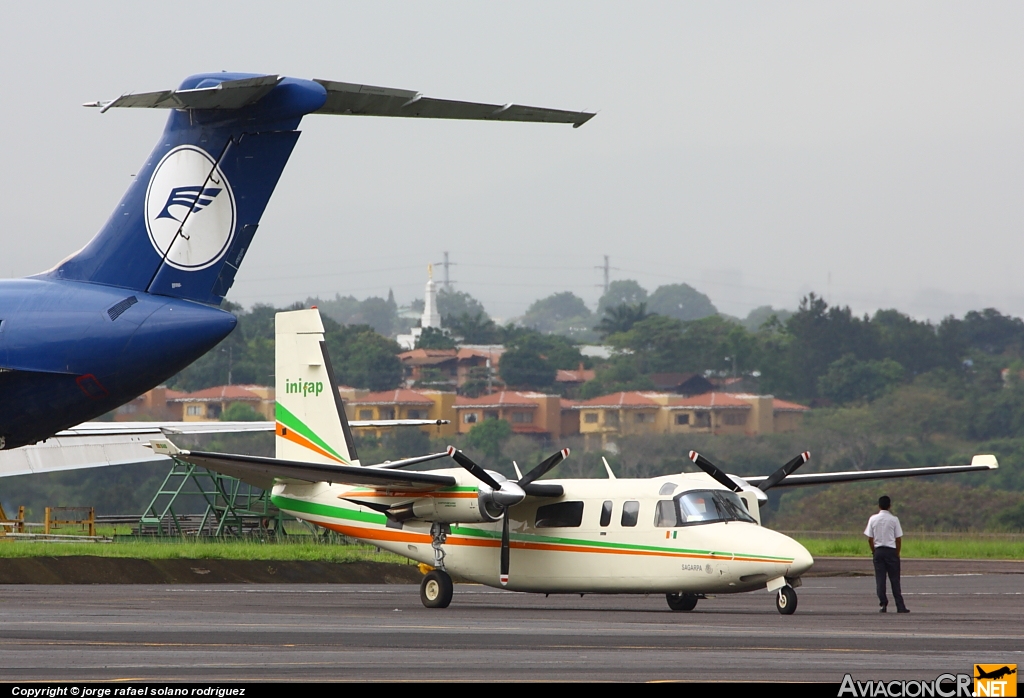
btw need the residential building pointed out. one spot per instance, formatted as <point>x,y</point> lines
<point>444,369</point>
<point>152,406</point>
<point>362,405</point>
<point>529,413</point>
<point>209,404</point>
<point>638,413</point>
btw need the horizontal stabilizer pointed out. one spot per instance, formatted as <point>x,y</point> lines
<point>367,100</point>
<point>262,472</point>
<point>230,94</point>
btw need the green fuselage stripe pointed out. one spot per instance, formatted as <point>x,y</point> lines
<point>299,506</point>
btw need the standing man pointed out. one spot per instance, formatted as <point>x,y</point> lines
<point>885,537</point>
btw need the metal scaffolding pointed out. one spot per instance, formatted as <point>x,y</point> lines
<point>233,508</point>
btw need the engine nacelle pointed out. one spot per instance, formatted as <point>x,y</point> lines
<point>458,507</point>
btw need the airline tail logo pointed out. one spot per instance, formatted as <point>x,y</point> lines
<point>194,199</point>
<point>304,388</point>
<point>188,194</point>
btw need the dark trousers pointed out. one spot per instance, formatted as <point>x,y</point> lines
<point>887,562</point>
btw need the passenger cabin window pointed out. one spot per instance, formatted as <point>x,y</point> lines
<point>665,514</point>
<point>560,515</point>
<point>708,506</point>
<point>606,513</point>
<point>630,513</point>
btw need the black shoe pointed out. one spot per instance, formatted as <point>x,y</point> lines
<point>903,610</point>
<point>882,609</point>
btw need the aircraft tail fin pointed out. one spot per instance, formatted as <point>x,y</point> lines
<point>311,422</point>
<point>186,222</point>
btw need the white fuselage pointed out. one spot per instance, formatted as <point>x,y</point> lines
<point>694,558</point>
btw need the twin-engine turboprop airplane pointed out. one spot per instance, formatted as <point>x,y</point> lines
<point>685,535</point>
<point>139,302</point>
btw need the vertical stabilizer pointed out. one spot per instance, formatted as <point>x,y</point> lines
<point>311,422</point>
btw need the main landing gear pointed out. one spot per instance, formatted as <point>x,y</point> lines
<point>682,602</point>
<point>785,600</point>
<point>436,589</point>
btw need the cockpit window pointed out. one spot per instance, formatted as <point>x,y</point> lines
<point>704,506</point>
<point>667,488</point>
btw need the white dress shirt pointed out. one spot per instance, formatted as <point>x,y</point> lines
<point>884,528</point>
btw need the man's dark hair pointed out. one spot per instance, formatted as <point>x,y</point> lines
<point>884,502</point>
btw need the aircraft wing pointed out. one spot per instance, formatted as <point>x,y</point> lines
<point>368,100</point>
<point>978,464</point>
<point>99,444</point>
<point>262,472</point>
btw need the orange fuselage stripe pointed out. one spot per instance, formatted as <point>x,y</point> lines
<point>406,537</point>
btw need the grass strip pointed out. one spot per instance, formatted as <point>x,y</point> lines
<point>920,546</point>
<point>166,549</point>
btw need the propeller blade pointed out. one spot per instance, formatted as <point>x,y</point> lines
<point>543,468</point>
<point>712,470</point>
<point>780,474</point>
<point>504,548</point>
<point>474,469</point>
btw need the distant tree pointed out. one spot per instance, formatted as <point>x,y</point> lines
<point>473,329</point>
<point>435,338</point>
<point>992,332</point>
<point>656,343</point>
<point>681,301</point>
<point>848,379</point>
<point>489,436</point>
<point>764,315</point>
<point>625,292</point>
<point>458,302</point>
<point>620,373</point>
<point>560,351</point>
<point>240,412</point>
<point>557,313</point>
<point>379,313</point>
<point>620,318</point>
<point>526,368</point>
<point>362,358</point>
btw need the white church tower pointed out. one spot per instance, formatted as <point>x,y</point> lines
<point>431,316</point>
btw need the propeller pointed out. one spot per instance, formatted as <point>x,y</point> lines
<point>713,470</point>
<point>781,474</point>
<point>508,493</point>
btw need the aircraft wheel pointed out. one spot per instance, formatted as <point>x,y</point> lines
<point>436,590</point>
<point>681,602</point>
<point>785,601</point>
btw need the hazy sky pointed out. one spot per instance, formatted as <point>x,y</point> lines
<point>870,152</point>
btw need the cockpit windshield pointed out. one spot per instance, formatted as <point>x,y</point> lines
<point>705,506</point>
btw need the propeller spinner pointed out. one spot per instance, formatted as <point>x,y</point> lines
<point>506,493</point>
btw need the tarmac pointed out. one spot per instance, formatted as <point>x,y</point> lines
<point>376,632</point>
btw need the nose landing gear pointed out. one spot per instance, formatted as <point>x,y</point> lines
<point>785,600</point>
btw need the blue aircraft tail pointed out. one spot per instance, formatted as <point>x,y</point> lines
<point>185,224</point>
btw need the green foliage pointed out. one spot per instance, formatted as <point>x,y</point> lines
<point>848,379</point>
<point>556,349</point>
<point>240,412</point>
<point>526,368</point>
<point>434,338</point>
<point>457,303</point>
<point>561,313</point>
<point>620,318</point>
<point>625,292</point>
<point>764,315</point>
<point>361,357</point>
<point>618,374</point>
<point>682,302</point>
<point>378,313</point>
<point>473,329</point>
<point>488,436</point>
